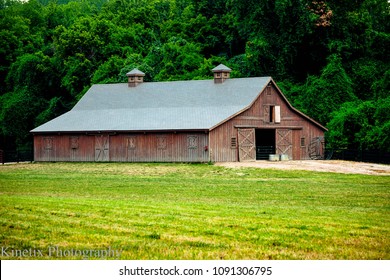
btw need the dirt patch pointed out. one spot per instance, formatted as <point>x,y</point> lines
<point>337,166</point>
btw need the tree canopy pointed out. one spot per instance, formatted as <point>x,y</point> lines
<point>331,58</point>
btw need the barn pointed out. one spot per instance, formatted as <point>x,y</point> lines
<point>217,120</point>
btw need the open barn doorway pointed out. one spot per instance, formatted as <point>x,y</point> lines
<point>265,143</point>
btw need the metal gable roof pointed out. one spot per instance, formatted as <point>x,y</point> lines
<point>135,72</point>
<point>221,68</point>
<point>180,105</point>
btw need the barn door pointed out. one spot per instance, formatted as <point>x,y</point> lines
<point>284,142</point>
<point>48,145</point>
<point>246,144</point>
<point>102,146</point>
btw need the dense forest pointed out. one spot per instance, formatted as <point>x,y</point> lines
<point>330,58</point>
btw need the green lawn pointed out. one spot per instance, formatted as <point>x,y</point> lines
<point>192,211</point>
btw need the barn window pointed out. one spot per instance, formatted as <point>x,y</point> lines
<point>48,143</point>
<point>161,142</point>
<point>268,90</point>
<point>192,142</point>
<point>131,143</point>
<point>303,142</point>
<point>274,114</point>
<point>74,142</point>
<point>233,142</point>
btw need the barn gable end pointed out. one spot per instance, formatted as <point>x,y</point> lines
<point>270,125</point>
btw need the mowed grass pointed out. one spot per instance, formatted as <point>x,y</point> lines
<point>193,211</point>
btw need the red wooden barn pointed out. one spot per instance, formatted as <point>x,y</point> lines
<point>216,120</point>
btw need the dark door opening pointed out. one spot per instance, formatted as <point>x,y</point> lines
<point>265,143</point>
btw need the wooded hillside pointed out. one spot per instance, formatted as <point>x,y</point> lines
<point>331,58</point>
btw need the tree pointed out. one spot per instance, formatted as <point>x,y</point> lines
<point>322,53</point>
<point>321,96</point>
<point>37,73</point>
<point>180,60</point>
<point>17,115</point>
<point>282,37</point>
<point>361,125</point>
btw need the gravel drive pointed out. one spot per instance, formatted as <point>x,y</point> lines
<point>337,166</point>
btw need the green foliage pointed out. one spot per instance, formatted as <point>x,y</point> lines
<point>53,109</point>
<point>35,72</point>
<point>108,71</point>
<point>323,53</point>
<point>379,136</point>
<point>325,94</point>
<point>180,59</point>
<point>361,125</point>
<point>364,74</point>
<point>18,111</point>
<point>381,86</point>
<point>282,39</point>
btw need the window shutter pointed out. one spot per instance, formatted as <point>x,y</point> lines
<point>277,114</point>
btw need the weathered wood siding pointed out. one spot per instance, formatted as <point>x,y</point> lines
<point>159,147</point>
<point>137,147</point>
<point>64,148</point>
<point>293,127</point>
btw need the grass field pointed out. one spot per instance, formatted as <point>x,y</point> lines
<point>191,211</point>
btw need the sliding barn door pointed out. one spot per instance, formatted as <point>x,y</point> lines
<point>284,142</point>
<point>246,144</point>
<point>102,147</point>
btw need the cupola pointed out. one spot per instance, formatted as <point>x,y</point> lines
<point>221,73</point>
<point>135,77</point>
